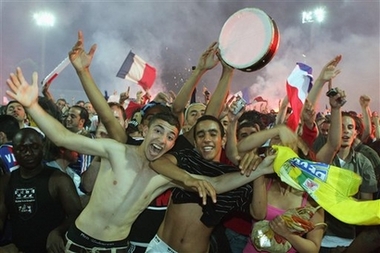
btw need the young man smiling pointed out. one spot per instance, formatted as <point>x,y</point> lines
<point>125,184</point>
<point>197,222</point>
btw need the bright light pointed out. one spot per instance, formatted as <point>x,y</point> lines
<point>44,19</point>
<point>318,15</point>
<point>307,17</point>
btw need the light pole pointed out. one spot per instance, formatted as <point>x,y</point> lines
<point>44,20</point>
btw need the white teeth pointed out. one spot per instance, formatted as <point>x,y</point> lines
<point>207,148</point>
<point>156,146</point>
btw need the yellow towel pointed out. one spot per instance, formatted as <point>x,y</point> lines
<point>330,186</point>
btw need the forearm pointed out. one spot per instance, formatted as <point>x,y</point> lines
<point>315,91</point>
<point>280,118</point>
<point>184,95</point>
<point>258,206</point>
<point>231,144</point>
<point>301,244</point>
<point>257,139</point>
<point>216,104</point>
<point>166,167</point>
<point>334,137</point>
<point>230,181</point>
<point>113,127</point>
<point>366,118</point>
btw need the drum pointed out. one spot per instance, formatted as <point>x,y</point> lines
<point>248,40</point>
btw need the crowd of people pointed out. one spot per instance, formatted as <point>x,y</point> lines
<point>174,174</point>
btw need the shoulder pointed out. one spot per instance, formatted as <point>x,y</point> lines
<point>59,178</point>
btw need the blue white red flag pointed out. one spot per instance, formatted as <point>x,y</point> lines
<point>138,71</point>
<point>298,85</point>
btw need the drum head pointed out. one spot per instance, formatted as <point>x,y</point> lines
<point>248,40</point>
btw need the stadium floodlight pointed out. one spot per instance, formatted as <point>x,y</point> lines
<point>317,15</point>
<point>44,19</point>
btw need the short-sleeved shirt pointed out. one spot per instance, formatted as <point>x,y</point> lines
<point>363,167</point>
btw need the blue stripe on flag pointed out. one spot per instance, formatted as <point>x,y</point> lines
<point>127,64</point>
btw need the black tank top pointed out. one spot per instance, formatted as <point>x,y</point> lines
<point>32,210</point>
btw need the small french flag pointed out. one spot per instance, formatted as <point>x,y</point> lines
<point>138,71</point>
<point>52,75</point>
<point>298,85</point>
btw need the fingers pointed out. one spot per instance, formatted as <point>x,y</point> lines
<point>34,78</point>
<point>253,166</point>
<point>206,189</point>
<point>80,36</point>
<point>92,50</point>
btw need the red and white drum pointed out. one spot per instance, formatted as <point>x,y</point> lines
<point>248,40</point>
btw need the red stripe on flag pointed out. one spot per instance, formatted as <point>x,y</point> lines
<point>298,85</point>
<point>148,77</point>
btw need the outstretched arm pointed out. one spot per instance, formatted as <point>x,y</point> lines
<point>287,136</point>
<point>27,95</point>
<point>167,166</point>
<point>81,61</point>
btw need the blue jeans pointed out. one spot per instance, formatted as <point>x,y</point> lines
<point>237,241</point>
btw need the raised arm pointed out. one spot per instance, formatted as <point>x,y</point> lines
<point>327,73</point>
<point>282,110</point>
<point>216,104</point>
<point>334,138</point>
<point>364,101</point>
<point>27,95</point>
<point>81,61</point>
<point>207,61</point>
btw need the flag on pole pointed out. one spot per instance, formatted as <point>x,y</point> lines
<point>138,71</point>
<point>298,85</point>
<point>49,78</point>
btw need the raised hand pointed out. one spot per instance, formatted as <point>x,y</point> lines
<point>329,71</point>
<point>209,59</point>
<point>364,100</point>
<point>78,57</point>
<point>338,100</point>
<point>21,91</point>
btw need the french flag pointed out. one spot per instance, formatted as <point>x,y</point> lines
<point>138,71</point>
<point>298,85</point>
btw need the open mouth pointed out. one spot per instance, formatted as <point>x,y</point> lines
<point>155,149</point>
<point>208,149</point>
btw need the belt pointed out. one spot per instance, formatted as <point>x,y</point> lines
<point>79,249</point>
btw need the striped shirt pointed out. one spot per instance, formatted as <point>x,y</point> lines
<point>238,199</point>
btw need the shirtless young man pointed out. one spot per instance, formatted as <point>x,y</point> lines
<point>125,184</point>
